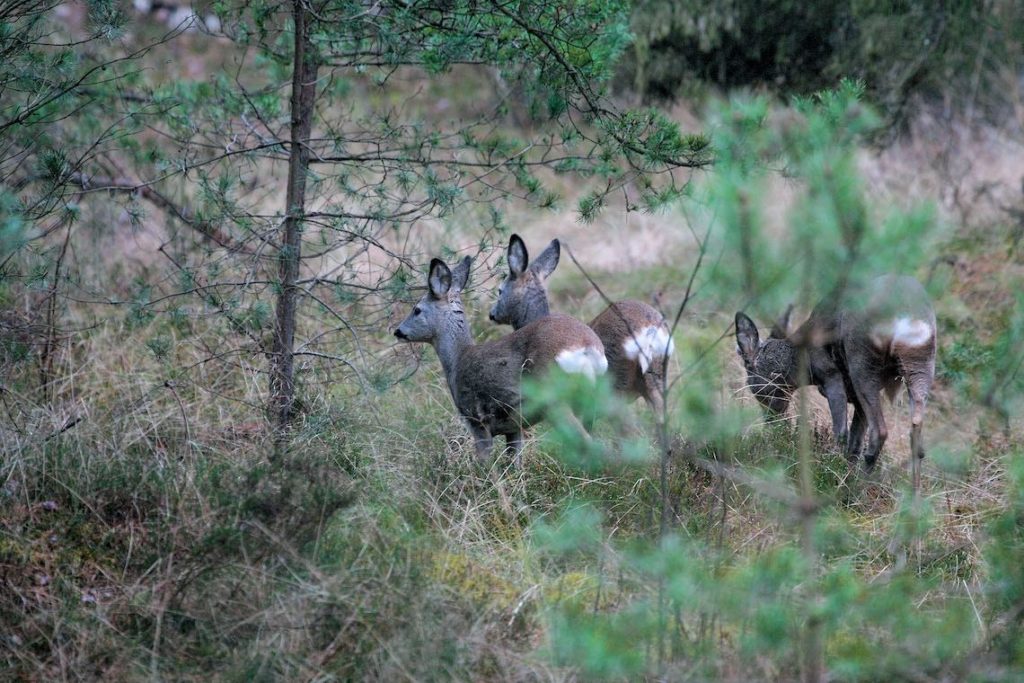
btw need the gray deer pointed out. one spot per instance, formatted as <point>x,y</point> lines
<point>484,379</point>
<point>880,339</point>
<point>636,339</point>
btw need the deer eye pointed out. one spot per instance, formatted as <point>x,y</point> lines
<point>417,310</point>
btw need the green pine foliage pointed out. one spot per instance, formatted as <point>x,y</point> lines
<point>708,610</point>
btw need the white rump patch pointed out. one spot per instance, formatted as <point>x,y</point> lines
<point>902,332</point>
<point>648,344</point>
<point>586,361</point>
<point>911,332</point>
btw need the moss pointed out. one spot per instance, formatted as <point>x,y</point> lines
<point>472,580</point>
<point>15,550</point>
<point>576,591</point>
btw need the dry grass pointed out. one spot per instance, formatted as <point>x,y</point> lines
<point>146,535</point>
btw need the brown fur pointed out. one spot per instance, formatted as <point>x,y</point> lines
<point>615,325</point>
<point>523,299</point>
<point>487,389</point>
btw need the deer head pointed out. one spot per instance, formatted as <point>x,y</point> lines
<point>523,295</point>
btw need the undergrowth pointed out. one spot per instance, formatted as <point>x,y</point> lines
<point>134,546</point>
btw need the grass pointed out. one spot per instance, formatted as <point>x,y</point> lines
<point>146,533</point>
<point>155,539</point>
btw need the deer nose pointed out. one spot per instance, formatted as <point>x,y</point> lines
<point>400,334</point>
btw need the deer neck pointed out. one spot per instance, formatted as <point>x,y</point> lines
<point>534,308</point>
<point>451,344</point>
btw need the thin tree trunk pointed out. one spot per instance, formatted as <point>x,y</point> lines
<point>814,664</point>
<point>46,361</point>
<point>666,452</point>
<point>282,380</point>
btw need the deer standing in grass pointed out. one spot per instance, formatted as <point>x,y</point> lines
<point>485,379</point>
<point>878,338</point>
<point>636,339</point>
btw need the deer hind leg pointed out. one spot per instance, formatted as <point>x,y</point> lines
<point>916,447</point>
<point>868,391</point>
<point>652,393</point>
<point>514,442</point>
<point>482,440</point>
<point>857,426</point>
<point>917,403</point>
<point>577,424</point>
<point>919,384</point>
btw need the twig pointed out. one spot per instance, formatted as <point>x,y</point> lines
<point>184,416</point>
<point>49,346</point>
<point>67,425</point>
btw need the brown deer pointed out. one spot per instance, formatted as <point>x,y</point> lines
<point>485,379</point>
<point>636,339</point>
<point>879,337</point>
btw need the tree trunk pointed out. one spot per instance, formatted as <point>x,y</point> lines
<point>813,650</point>
<point>282,380</point>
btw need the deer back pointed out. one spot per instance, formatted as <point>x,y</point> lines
<point>882,331</point>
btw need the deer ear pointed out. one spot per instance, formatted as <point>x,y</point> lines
<point>781,326</point>
<point>547,261</point>
<point>460,276</point>
<point>439,281</point>
<point>518,258</point>
<point>747,339</point>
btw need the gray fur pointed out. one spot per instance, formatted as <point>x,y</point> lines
<point>853,356</point>
<point>484,379</point>
<point>523,296</point>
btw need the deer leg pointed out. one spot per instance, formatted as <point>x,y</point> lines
<point>869,397</point>
<point>835,392</point>
<point>514,442</point>
<point>572,419</point>
<point>864,365</point>
<point>916,450</point>
<point>652,393</point>
<point>483,441</point>
<point>918,386</point>
<point>856,441</point>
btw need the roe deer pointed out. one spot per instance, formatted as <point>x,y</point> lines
<point>857,346</point>
<point>636,339</point>
<point>484,379</point>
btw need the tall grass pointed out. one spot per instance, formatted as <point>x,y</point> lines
<point>145,532</point>
<point>153,538</point>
